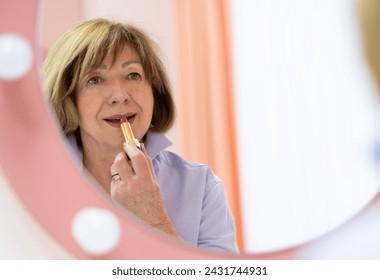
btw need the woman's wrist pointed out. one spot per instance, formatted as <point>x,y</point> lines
<point>167,226</point>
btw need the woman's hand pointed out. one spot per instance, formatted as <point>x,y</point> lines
<point>138,190</point>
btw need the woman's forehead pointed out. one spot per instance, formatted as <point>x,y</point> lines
<point>124,55</point>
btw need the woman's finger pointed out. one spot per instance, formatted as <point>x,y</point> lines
<point>138,160</point>
<point>121,166</point>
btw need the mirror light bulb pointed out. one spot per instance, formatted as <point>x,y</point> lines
<point>16,56</point>
<point>96,231</point>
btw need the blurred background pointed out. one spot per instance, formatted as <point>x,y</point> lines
<point>275,96</point>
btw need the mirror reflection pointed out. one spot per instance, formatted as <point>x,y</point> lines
<point>277,103</point>
<point>113,101</point>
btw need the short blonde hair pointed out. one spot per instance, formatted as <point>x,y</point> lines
<point>369,21</point>
<point>83,49</point>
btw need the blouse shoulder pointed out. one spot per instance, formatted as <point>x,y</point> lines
<point>194,169</point>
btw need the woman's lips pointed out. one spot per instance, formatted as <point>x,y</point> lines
<point>116,120</point>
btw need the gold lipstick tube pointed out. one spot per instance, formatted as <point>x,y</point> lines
<point>128,134</point>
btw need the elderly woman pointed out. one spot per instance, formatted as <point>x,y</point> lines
<point>102,72</point>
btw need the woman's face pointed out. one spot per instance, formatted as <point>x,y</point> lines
<point>111,92</point>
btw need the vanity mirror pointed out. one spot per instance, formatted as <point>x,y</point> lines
<point>306,146</point>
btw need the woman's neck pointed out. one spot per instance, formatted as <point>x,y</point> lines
<point>98,160</point>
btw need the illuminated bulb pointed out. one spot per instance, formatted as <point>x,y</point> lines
<point>16,56</point>
<point>96,231</point>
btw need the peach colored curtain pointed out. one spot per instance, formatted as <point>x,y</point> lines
<point>205,99</point>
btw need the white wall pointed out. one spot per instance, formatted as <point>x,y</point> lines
<point>305,108</point>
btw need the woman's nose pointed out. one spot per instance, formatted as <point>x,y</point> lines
<point>119,94</point>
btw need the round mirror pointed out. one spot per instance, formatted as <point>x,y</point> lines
<point>301,123</point>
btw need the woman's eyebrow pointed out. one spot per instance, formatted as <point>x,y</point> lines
<point>102,67</point>
<point>125,64</point>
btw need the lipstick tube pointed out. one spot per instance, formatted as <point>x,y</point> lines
<point>128,134</point>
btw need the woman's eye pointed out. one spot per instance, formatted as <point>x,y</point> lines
<point>134,76</point>
<point>94,80</point>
